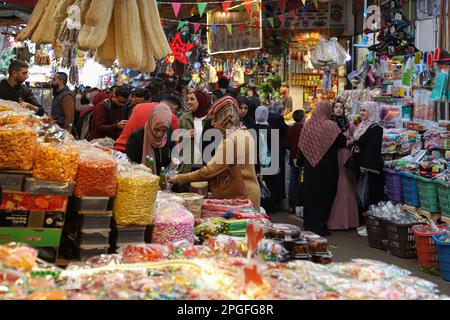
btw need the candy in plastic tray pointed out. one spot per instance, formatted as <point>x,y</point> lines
<point>280,231</point>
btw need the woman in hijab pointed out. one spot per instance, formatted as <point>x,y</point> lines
<point>154,140</point>
<point>344,213</point>
<point>368,138</point>
<point>246,108</point>
<point>229,178</point>
<point>195,120</point>
<point>319,142</point>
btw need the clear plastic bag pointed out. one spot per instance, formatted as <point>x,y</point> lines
<point>7,105</point>
<point>136,194</point>
<point>329,55</point>
<point>96,175</point>
<point>171,223</point>
<point>17,256</point>
<point>12,117</point>
<point>56,162</point>
<point>17,147</point>
<point>191,201</point>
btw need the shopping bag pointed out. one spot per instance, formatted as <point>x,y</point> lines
<point>362,191</point>
<point>265,192</point>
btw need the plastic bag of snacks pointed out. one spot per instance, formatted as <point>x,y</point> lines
<point>171,223</point>
<point>96,175</point>
<point>18,257</point>
<point>136,253</point>
<point>12,117</point>
<point>7,105</point>
<point>56,162</point>
<point>17,147</point>
<point>136,195</point>
<point>13,285</point>
<point>191,201</point>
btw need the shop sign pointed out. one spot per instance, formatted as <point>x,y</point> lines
<point>235,31</point>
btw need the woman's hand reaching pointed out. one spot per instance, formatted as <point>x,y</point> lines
<point>173,179</point>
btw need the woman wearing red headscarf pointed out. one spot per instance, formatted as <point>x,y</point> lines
<point>318,144</point>
<point>195,120</point>
<point>154,140</point>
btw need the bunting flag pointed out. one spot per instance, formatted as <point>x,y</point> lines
<point>196,27</point>
<point>176,8</point>
<point>225,6</point>
<point>181,25</point>
<point>230,29</point>
<point>241,8</point>
<point>304,2</point>
<point>272,23</point>
<point>161,21</point>
<point>214,28</point>
<point>281,17</point>
<point>283,4</point>
<point>248,5</point>
<point>316,3</point>
<point>201,8</point>
<point>257,24</point>
<point>241,27</point>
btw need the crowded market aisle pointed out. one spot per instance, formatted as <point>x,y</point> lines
<point>347,245</point>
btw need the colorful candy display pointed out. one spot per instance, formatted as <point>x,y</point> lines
<point>172,223</point>
<point>96,176</point>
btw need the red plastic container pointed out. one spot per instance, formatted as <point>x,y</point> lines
<point>426,251</point>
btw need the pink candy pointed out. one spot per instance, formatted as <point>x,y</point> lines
<point>173,224</point>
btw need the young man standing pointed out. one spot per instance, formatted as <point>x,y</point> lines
<point>13,88</point>
<point>108,114</point>
<point>63,104</point>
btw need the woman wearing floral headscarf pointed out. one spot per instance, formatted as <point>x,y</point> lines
<point>368,139</point>
<point>319,142</point>
<point>236,176</point>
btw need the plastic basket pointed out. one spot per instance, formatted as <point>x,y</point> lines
<point>393,185</point>
<point>426,251</point>
<point>376,231</point>
<point>444,197</point>
<point>428,194</point>
<point>400,239</point>
<point>409,189</point>
<point>443,253</point>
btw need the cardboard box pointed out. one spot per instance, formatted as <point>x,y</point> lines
<point>31,219</point>
<point>32,237</point>
<point>34,202</point>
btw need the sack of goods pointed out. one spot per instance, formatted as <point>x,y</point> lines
<point>217,208</point>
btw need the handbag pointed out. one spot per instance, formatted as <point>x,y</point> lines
<point>362,191</point>
<point>350,164</point>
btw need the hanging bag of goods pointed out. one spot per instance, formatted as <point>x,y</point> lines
<point>136,194</point>
<point>56,161</point>
<point>329,55</point>
<point>172,223</point>
<point>17,147</point>
<point>96,175</point>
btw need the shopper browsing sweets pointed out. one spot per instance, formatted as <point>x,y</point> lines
<point>344,213</point>
<point>199,103</point>
<point>226,179</point>
<point>13,87</point>
<point>368,139</point>
<point>319,142</point>
<point>153,140</point>
<point>108,120</point>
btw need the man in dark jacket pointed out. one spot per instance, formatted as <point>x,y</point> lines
<point>108,114</point>
<point>13,88</point>
<point>63,104</point>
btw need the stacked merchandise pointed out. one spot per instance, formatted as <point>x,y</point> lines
<point>37,169</point>
<point>184,272</point>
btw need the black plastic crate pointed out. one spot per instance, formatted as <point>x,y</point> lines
<point>95,221</point>
<point>94,237</point>
<point>401,241</point>
<point>131,234</point>
<point>89,251</point>
<point>376,231</point>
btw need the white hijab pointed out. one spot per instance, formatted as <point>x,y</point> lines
<point>373,109</point>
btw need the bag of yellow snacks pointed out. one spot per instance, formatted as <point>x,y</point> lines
<point>136,196</point>
<point>17,147</point>
<point>56,161</point>
<point>13,117</point>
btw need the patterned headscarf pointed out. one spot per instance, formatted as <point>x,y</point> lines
<point>225,111</point>
<point>373,109</point>
<point>318,134</point>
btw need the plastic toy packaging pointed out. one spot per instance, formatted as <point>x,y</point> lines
<point>172,222</point>
<point>136,253</point>
<point>136,194</point>
<point>56,162</point>
<point>18,257</point>
<point>96,175</point>
<point>17,147</point>
<point>270,250</point>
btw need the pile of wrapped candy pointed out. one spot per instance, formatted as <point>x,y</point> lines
<point>183,271</point>
<point>400,142</point>
<point>394,212</point>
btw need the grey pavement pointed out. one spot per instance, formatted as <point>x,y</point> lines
<point>347,245</point>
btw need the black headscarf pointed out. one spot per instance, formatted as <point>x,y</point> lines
<point>342,121</point>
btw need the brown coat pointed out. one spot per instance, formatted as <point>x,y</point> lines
<point>217,165</point>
